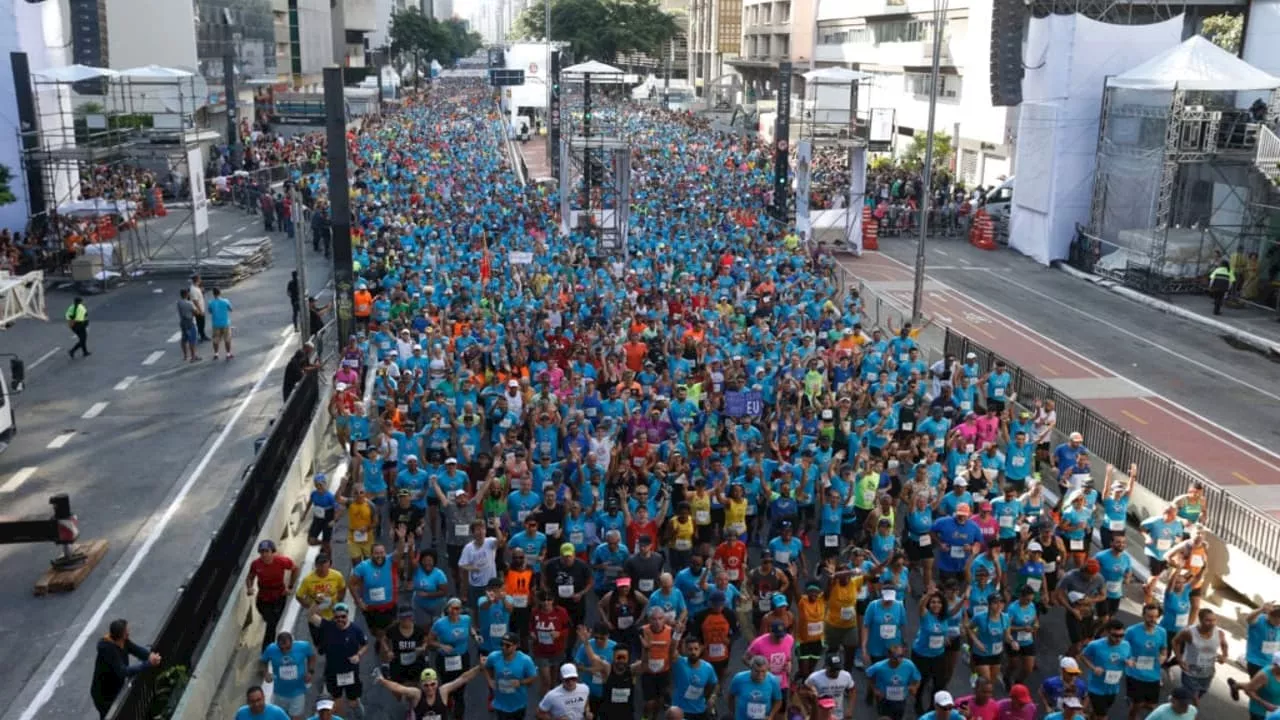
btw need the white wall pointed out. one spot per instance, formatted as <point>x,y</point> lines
<point>532,59</point>
<point>1262,35</point>
<point>146,32</point>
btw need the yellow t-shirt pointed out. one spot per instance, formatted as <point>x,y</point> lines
<point>842,605</point>
<point>701,507</point>
<point>810,620</point>
<point>359,518</point>
<point>735,514</point>
<point>683,533</point>
<point>323,592</point>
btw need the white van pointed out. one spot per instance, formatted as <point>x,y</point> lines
<point>1000,200</point>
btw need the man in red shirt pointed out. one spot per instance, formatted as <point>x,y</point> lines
<point>551,628</point>
<point>731,554</point>
<point>635,351</point>
<point>269,571</point>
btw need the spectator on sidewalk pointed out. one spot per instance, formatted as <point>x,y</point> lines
<point>111,668</point>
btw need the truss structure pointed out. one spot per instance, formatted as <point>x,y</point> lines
<point>595,167</point>
<point>22,297</point>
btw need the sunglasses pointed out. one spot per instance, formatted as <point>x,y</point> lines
<point>339,617</point>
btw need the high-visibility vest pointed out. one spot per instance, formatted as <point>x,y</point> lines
<point>364,303</point>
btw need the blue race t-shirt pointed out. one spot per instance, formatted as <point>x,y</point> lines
<point>753,700</point>
<point>270,712</point>
<point>959,539</point>
<point>509,694</point>
<point>220,313</point>
<point>690,683</point>
<point>893,682</point>
<point>1146,647</point>
<point>289,669</point>
<point>1111,659</point>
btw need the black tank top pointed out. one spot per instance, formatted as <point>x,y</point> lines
<point>424,710</point>
<point>619,696</point>
<point>623,609</point>
<point>1049,553</point>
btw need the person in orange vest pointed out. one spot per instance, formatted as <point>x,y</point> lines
<point>363,300</point>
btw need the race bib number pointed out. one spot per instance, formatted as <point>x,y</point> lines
<point>521,515</point>
<point>997,647</point>
<point>1051,567</point>
<point>546,637</point>
<point>1145,663</point>
<point>461,530</point>
<point>693,692</point>
<point>1024,637</point>
<point>936,642</point>
<point>1113,587</point>
<point>565,590</point>
<point>657,665</point>
<point>1076,544</point>
<point>346,679</point>
<point>1197,561</point>
<point>1163,544</point>
<point>553,528</point>
<point>830,541</point>
<point>888,632</point>
<point>702,517</point>
<point>999,392</point>
<point>1018,460</point>
<point>958,552</point>
<point>733,574</point>
<point>452,663</point>
<point>360,535</point>
<point>318,512</point>
<point>646,585</point>
<point>1270,647</point>
<point>1006,521</point>
<point>520,601</point>
<point>814,628</point>
<point>1182,619</point>
<point>1034,583</point>
<point>895,693</point>
<point>1116,525</point>
<point>782,556</point>
<point>288,672</point>
<point>620,696</point>
<point>763,604</point>
<point>717,650</point>
<point>625,622</point>
<point>597,679</point>
<point>1112,677</point>
<point>925,541</point>
<point>408,658</point>
<point>846,613</point>
<point>497,630</point>
<point>757,711</point>
<point>737,528</point>
<point>507,687</point>
<point>683,543</point>
<point>378,594</point>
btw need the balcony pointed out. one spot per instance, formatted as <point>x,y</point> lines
<point>907,54</point>
<point>360,15</point>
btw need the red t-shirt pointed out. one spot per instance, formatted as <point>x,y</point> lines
<point>550,631</point>
<point>733,556</point>
<point>635,530</point>
<point>270,577</point>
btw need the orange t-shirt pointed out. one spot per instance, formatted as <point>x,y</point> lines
<point>635,352</point>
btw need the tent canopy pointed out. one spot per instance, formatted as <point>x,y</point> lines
<point>835,75</point>
<point>155,72</point>
<point>1196,64</point>
<point>593,67</point>
<point>74,73</point>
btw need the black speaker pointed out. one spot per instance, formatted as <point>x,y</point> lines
<point>1008,18</point>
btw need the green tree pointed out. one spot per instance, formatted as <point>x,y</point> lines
<point>913,156</point>
<point>423,38</point>
<point>600,29</point>
<point>6,195</point>
<point>1224,30</point>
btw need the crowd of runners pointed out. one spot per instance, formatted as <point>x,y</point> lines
<point>694,483</point>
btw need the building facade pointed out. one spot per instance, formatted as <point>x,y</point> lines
<point>893,41</point>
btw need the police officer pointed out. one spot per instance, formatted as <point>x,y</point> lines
<point>1220,281</point>
<point>78,320</point>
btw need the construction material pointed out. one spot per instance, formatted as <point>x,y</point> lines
<point>64,581</point>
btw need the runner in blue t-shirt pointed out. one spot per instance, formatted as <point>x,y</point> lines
<point>510,672</point>
<point>290,664</point>
<point>755,694</point>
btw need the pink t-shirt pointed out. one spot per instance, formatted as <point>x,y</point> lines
<point>969,432</point>
<point>1006,711</point>
<point>778,653</point>
<point>976,711</point>
<point>988,429</point>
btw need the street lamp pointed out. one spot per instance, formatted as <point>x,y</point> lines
<point>939,19</point>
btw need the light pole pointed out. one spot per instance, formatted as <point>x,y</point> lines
<point>546,7</point>
<point>917,297</point>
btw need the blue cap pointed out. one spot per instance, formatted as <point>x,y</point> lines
<point>779,600</point>
<point>717,597</point>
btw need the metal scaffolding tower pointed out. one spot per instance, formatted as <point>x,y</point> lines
<point>595,168</point>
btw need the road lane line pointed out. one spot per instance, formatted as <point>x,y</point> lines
<point>125,383</point>
<point>286,332</point>
<point>1148,341</point>
<point>1185,411</point>
<point>61,440</point>
<point>95,411</point>
<point>93,626</point>
<point>1245,478</point>
<point>1049,370</point>
<point>43,357</point>
<point>1001,319</point>
<point>225,238</point>
<point>1182,418</point>
<point>175,337</point>
<point>18,478</point>
<point>153,357</point>
<point>1133,417</point>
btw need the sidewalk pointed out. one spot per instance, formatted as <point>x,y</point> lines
<point>1249,326</point>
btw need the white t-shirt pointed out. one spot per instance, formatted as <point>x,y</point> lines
<point>564,704</point>
<point>835,688</point>
<point>483,558</point>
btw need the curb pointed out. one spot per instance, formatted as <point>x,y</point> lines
<point>1257,343</point>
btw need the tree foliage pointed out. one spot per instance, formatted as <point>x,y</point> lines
<point>6,194</point>
<point>600,29</point>
<point>1224,30</point>
<point>913,156</point>
<point>420,36</point>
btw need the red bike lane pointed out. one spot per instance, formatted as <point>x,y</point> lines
<point>1190,438</point>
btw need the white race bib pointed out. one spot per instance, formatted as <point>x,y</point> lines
<point>378,594</point>
<point>958,552</point>
<point>888,632</point>
<point>1034,583</point>
<point>546,638</point>
<point>288,672</point>
<point>1182,619</point>
<point>717,650</point>
<point>1163,544</point>
<point>597,679</point>
<point>553,528</point>
<point>1111,677</point>
<point>1113,587</point>
<point>782,556</point>
<point>813,628</point>
<point>565,590</point>
<point>925,541</point>
<point>895,693</point>
<point>830,541</point>
<point>1076,544</point>
<point>656,665</point>
<point>1197,561</point>
<point>1024,637</point>
<point>693,692</point>
<point>520,601</point>
<point>461,530</point>
<point>702,517</point>
<point>1116,525</point>
<point>757,711</point>
<point>620,696</point>
<point>999,392</point>
<point>936,642</point>
<point>497,630</point>
<point>997,647</point>
<point>346,679</point>
<point>452,663</point>
<point>408,658</point>
<point>506,686</point>
<point>684,544</point>
<point>625,622</point>
<point>1050,567</point>
<point>1270,647</point>
<point>846,613</point>
<point>1006,521</point>
<point>360,535</point>
<point>646,585</point>
<point>1145,663</point>
<point>577,537</point>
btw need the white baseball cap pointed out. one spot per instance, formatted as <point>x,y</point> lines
<point>1068,664</point>
<point>324,704</point>
<point>568,670</point>
<point>1035,547</point>
<point>1077,437</point>
<point>942,698</point>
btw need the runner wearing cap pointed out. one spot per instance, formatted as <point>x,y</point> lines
<point>568,580</point>
<point>322,505</point>
<point>1067,683</point>
<point>343,645</point>
<point>404,646</point>
<point>716,628</point>
<point>811,609</point>
<point>1072,708</point>
<point>451,636</point>
<point>550,627</point>
<point>943,707</point>
<point>883,624</point>
<point>510,673</point>
<point>956,539</point>
<point>834,683</point>
<point>1080,591</point>
<point>493,616</point>
<point>289,664</point>
<point>1018,706</point>
<point>271,577</point>
<point>622,611</point>
<point>891,681</point>
<point>644,567</point>
<point>1181,706</point>
<point>1024,627</point>
<point>566,701</point>
<point>428,698</point>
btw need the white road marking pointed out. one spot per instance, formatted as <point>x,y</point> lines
<point>226,237</point>
<point>175,337</point>
<point>1142,388</point>
<point>153,357</point>
<point>242,228</point>
<point>93,627</point>
<point>95,411</point>
<point>943,253</point>
<point>43,357</point>
<point>18,478</point>
<point>61,440</point>
<point>287,332</point>
<point>125,383</point>
<point>962,261</point>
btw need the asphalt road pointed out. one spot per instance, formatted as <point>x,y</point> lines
<point>122,431</point>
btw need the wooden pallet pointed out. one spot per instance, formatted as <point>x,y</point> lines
<point>64,581</point>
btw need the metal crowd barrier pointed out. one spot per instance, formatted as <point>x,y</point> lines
<point>205,591</point>
<point>1231,519</point>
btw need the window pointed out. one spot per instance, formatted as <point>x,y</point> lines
<point>918,84</point>
<point>842,36</point>
<point>902,31</point>
<point>784,12</point>
<point>781,44</point>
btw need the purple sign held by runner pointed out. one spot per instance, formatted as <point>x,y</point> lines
<point>748,402</point>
